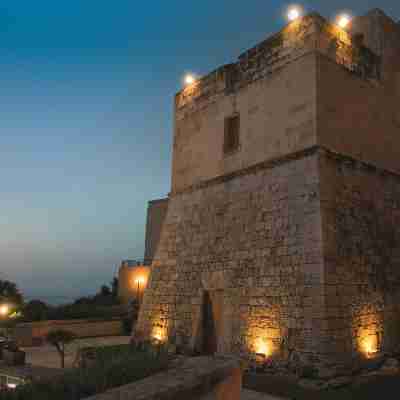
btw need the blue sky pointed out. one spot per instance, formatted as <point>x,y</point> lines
<point>86,122</point>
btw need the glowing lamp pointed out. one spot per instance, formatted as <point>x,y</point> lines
<point>189,79</point>
<point>158,335</point>
<point>4,310</point>
<point>370,347</point>
<point>140,280</point>
<point>12,385</point>
<point>293,13</point>
<point>343,20</point>
<point>262,348</point>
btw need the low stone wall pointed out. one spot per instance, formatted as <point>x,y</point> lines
<point>29,334</point>
<point>200,378</point>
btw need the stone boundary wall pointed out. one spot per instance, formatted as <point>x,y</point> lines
<point>195,379</point>
<point>27,334</point>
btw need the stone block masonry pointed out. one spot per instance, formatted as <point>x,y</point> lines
<point>256,238</point>
<point>360,221</point>
<point>303,250</point>
<point>287,248</point>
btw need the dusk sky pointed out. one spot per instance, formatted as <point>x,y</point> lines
<point>86,122</point>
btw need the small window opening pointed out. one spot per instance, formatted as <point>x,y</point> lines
<point>231,137</point>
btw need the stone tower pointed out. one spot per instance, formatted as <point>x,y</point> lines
<point>282,229</point>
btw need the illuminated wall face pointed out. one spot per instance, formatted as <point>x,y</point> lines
<point>296,233</point>
<point>263,331</point>
<point>159,332</point>
<point>367,331</point>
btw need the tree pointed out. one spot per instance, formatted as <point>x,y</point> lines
<point>36,310</point>
<point>105,291</point>
<point>114,287</point>
<point>9,292</point>
<point>59,339</point>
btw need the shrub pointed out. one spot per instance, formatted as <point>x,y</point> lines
<point>115,366</point>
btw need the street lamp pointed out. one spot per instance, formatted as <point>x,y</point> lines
<point>4,310</point>
<point>139,282</point>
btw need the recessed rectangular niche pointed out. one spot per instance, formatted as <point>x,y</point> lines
<point>232,134</point>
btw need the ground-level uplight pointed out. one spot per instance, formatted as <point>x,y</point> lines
<point>262,348</point>
<point>370,346</point>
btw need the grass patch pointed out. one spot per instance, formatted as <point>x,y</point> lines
<point>114,366</point>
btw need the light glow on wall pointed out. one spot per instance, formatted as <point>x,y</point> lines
<point>159,334</point>
<point>370,345</point>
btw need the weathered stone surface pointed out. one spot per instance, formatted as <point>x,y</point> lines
<point>294,236</point>
<point>391,365</point>
<point>266,275</point>
<point>216,378</point>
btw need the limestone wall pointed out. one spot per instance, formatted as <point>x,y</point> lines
<point>254,237</point>
<point>361,235</point>
<point>156,211</point>
<point>273,87</point>
<point>357,117</point>
<point>277,115</point>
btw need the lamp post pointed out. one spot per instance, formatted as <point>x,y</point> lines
<point>139,281</point>
<point>4,310</point>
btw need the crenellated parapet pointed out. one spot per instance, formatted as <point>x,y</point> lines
<point>307,34</point>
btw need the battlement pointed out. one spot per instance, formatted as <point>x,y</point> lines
<point>307,34</point>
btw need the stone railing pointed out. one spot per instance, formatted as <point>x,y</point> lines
<point>200,378</point>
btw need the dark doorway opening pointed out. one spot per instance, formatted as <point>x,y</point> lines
<point>208,326</point>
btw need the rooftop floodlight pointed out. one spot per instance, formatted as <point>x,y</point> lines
<point>293,13</point>
<point>189,79</point>
<point>343,20</point>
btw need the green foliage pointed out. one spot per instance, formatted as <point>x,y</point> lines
<point>36,310</point>
<point>97,307</point>
<point>10,293</point>
<point>115,366</point>
<point>60,336</point>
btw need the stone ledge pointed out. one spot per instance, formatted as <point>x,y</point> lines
<point>275,162</point>
<point>190,379</point>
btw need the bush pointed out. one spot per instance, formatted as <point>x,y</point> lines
<point>114,366</point>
